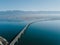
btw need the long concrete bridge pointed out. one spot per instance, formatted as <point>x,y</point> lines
<point>24,29</point>
<point>18,36</point>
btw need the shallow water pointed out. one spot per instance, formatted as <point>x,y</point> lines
<point>42,33</point>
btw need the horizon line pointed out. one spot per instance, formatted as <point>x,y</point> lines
<point>27,10</point>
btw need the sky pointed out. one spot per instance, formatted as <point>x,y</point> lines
<point>30,5</point>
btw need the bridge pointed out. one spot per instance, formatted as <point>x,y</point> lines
<point>24,29</point>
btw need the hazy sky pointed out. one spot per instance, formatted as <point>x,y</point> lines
<point>30,5</point>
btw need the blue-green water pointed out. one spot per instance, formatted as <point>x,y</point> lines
<point>39,33</point>
<point>9,30</point>
<point>42,33</point>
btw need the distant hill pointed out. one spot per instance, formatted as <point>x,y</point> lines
<point>16,15</point>
<point>16,12</point>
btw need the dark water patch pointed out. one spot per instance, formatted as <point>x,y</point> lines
<point>10,29</point>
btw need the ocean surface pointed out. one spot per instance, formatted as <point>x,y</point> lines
<point>42,33</point>
<point>39,33</point>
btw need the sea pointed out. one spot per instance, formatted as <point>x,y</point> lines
<point>39,33</point>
